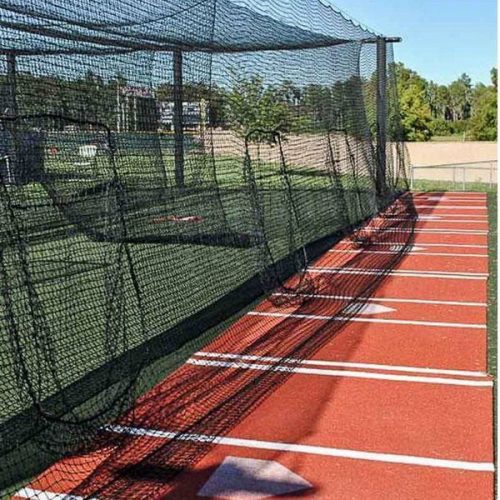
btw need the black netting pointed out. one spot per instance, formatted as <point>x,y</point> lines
<point>162,165</point>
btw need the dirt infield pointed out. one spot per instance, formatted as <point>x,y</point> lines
<point>442,153</point>
<point>312,151</point>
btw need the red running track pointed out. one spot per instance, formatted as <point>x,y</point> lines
<point>394,401</point>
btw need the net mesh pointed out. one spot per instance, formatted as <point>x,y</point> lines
<point>163,164</point>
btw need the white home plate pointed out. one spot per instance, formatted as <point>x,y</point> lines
<point>367,309</point>
<point>238,477</point>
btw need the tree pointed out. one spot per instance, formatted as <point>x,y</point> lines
<point>494,75</point>
<point>256,109</point>
<point>484,116</point>
<point>432,96</point>
<point>460,97</point>
<point>415,111</point>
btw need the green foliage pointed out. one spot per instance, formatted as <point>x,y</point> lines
<point>429,109</point>
<point>460,94</point>
<point>484,119</point>
<point>441,127</point>
<point>415,111</point>
<point>253,108</point>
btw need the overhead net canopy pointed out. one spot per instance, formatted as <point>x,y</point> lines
<point>162,164</point>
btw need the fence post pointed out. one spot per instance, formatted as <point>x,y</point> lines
<point>412,177</point>
<point>454,176</point>
<point>463,178</point>
<point>491,175</point>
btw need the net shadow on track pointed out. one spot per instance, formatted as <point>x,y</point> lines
<point>212,401</point>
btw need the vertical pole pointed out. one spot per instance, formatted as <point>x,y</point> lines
<point>135,113</point>
<point>12,84</point>
<point>412,177</point>
<point>381,115</point>
<point>463,178</point>
<point>491,175</point>
<point>118,108</point>
<point>177,120</point>
<point>14,176</point>
<point>203,122</point>
<point>126,114</point>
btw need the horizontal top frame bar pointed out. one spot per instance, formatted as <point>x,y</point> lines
<point>119,48</point>
<point>386,39</point>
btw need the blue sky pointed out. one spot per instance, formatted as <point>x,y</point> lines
<point>441,38</point>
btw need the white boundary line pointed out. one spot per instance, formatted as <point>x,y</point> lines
<point>412,252</point>
<point>340,373</point>
<point>482,218</point>
<point>384,299</point>
<point>48,495</point>
<point>447,245</point>
<point>455,202</point>
<point>477,199</point>
<point>405,274</point>
<point>307,449</point>
<point>356,319</point>
<point>347,364</point>
<point>438,220</point>
<point>453,207</point>
<point>473,232</point>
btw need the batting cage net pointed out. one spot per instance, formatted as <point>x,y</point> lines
<point>163,164</point>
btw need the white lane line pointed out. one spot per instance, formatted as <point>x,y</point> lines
<point>453,198</point>
<point>47,495</point>
<point>453,207</point>
<point>424,219</point>
<point>483,218</point>
<point>307,449</point>
<point>412,271</point>
<point>423,231</point>
<point>412,252</point>
<point>456,203</point>
<point>355,319</point>
<point>384,299</point>
<point>347,364</point>
<point>340,373</point>
<point>405,274</point>
<point>444,245</point>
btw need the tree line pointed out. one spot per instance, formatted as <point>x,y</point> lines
<point>423,109</point>
<point>460,108</point>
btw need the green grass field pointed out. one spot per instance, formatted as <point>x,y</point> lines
<point>75,305</point>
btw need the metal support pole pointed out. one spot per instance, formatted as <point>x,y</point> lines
<point>14,176</point>
<point>178,120</point>
<point>12,85</point>
<point>381,115</point>
<point>463,178</point>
